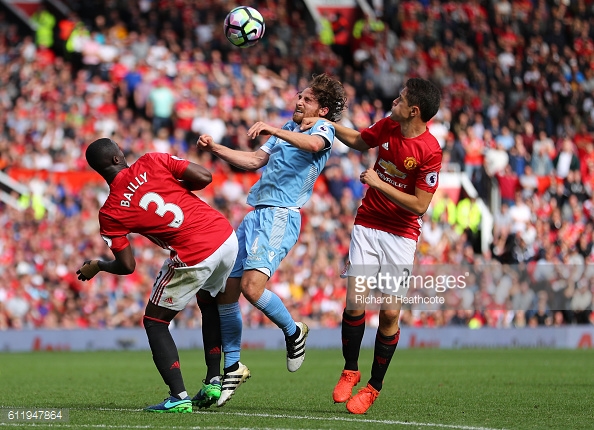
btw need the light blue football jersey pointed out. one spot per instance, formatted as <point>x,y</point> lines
<point>290,173</point>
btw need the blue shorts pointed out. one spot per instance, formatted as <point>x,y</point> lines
<point>265,237</point>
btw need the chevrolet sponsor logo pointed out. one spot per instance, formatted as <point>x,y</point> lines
<point>391,169</point>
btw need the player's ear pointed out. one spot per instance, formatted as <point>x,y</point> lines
<point>323,111</point>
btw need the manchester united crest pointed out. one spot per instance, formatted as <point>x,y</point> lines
<point>410,163</point>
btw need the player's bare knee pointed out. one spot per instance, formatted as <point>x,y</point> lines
<point>253,283</point>
<point>388,317</point>
<point>252,290</point>
<point>354,312</point>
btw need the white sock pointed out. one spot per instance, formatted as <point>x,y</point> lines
<point>183,395</point>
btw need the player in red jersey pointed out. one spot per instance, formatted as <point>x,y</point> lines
<point>387,227</point>
<point>153,197</point>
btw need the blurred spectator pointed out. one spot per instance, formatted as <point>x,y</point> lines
<point>445,211</point>
<point>504,138</point>
<point>468,215</point>
<point>474,149</point>
<point>523,299</point>
<point>565,160</point>
<point>520,214</point>
<point>45,22</point>
<point>541,163</point>
<point>581,303</point>
<point>496,158</point>
<point>508,184</point>
<point>160,102</point>
<point>519,158</point>
<point>528,182</point>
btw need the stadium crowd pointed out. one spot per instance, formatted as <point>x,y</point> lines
<point>517,118</point>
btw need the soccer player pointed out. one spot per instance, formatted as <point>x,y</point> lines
<point>294,160</point>
<point>387,227</point>
<point>153,197</point>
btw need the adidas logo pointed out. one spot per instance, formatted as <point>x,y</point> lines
<point>169,300</point>
<point>175,365</point>
<point>385,146</point>
<point>215,350</point>
<point>381,360</point>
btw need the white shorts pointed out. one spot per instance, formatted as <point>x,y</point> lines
<point>175,286</point>
<point>384,260</point>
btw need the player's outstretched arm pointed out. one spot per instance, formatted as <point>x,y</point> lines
<point>306,142</point>
<point>242,159</point>
<point>348,136</point>
<point>123,264</point>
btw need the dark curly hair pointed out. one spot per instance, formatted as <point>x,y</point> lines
<point>329,93</point>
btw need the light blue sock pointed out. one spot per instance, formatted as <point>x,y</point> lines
<point>231,327</point>
<point>273,308</point>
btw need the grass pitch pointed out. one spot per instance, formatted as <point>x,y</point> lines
<point>424,389</point>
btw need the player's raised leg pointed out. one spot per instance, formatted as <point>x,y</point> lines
<point>254,289</point>
<point>275,232</point>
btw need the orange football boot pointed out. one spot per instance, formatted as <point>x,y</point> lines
<point>344,388</point>
<point>363,400</point>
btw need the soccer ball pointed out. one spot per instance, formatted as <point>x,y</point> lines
<point>244,26</point>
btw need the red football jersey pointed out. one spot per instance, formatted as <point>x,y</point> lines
<point>405,164</point>
<point>147,198</point>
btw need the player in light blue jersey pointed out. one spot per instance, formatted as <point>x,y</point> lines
<point>291,172</point>
<point>294,159</point>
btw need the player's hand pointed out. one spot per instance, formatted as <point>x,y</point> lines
<point>260,129</point>
<point>369,177</point>
<point>308,123</point>
<point>205,142</point>
<point>88,270</point>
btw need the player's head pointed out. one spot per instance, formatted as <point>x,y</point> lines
<point>324,97</point>
<point>420,98</point>
<point>106,157</point>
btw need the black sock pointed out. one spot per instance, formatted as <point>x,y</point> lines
<point>211,337</point>
<point>353,329</point>
<point>295,335</point>
<point>165,354</point>
<point>382,355</point>
<point>231,368</point>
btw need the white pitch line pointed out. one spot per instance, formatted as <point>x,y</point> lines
<point>308,417</point>
<point>355,420</point>
<point>260,415</point>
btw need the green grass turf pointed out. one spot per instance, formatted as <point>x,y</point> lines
<point>457,389</point>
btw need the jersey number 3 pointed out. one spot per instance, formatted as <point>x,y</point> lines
<point>163,208</point>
